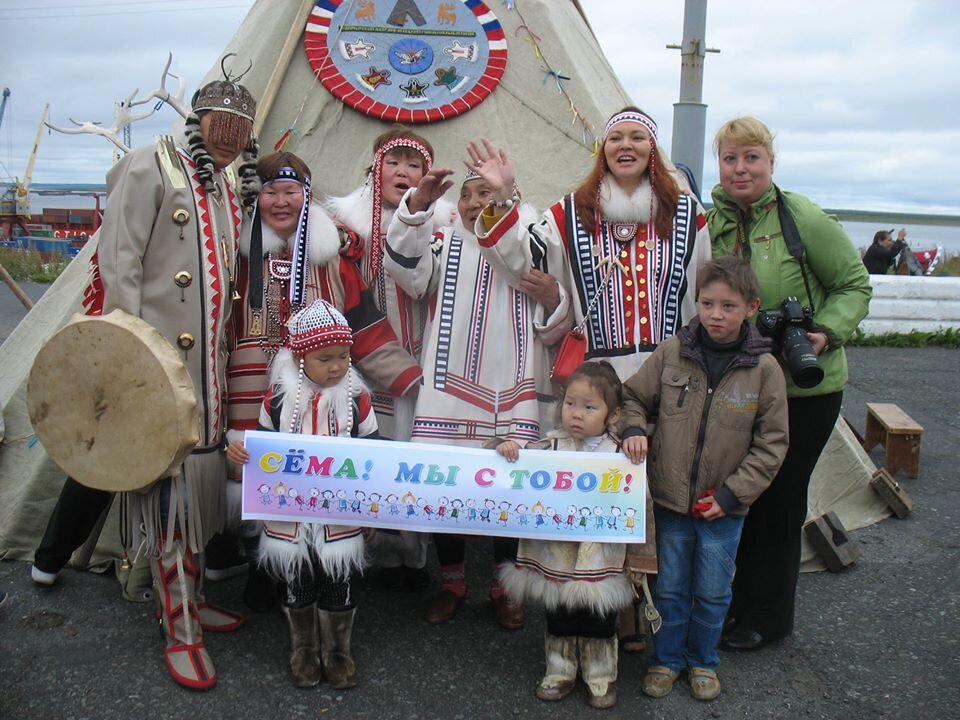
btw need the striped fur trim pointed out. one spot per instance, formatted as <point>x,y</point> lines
<point>286,549</point>
<point>602,596</point>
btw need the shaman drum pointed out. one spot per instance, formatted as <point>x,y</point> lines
<point>112,402</point>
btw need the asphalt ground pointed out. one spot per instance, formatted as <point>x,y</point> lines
<point>878,640</point>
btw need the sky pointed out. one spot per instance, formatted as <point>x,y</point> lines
<point>863,95</point>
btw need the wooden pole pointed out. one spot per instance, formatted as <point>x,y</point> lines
<point>17,290</point>
<point>283,62</point>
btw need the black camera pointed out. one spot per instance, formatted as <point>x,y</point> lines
<point>788,328</point>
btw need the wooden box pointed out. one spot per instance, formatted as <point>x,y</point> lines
<point>892,493</point>
<point>832,542</point>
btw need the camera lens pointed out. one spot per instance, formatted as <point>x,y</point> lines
<point>801,358</point>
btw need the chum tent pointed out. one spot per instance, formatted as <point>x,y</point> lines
<point>555,93</point>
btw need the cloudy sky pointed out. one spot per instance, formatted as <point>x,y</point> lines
<point>862,94</point>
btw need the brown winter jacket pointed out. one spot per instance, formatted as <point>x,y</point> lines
<point>731,439</point>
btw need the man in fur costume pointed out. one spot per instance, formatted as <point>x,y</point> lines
<point>167,254</point>
<point>315,391</point>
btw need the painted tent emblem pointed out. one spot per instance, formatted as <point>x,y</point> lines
<point>449,55</point>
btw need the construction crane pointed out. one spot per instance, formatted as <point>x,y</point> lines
<point>23,188</point>
<point>3,103</point>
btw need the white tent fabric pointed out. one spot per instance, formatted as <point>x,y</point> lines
<point>841,483</point>
<point>525,113</point>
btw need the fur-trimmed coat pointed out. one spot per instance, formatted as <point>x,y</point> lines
<point>288,548</point>
<point>578,575</point>
<point>485,366</point>
<point>376,350</point>
<point>651,289</point>
<point>407,315</point>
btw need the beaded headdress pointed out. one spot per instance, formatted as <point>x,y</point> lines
<point>632,116</point>
<point>317,326</point>
<point>232,124</point>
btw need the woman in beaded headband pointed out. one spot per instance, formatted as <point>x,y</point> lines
<point>650,163</point>
<point>400,159</point>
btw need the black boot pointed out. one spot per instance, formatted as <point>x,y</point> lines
<point>260,592</point>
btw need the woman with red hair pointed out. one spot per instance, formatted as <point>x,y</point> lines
<point>626,244</point>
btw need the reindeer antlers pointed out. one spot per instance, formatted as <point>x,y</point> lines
<point>163,95</point>
<point>123,115</point>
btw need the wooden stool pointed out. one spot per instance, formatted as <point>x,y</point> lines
<point>899,433</point>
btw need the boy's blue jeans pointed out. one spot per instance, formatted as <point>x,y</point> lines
<point>696,562</point>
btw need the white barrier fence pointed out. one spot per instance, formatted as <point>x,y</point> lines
<point>903,303</point>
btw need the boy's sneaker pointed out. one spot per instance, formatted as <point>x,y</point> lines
<point>658,681</point>
<point>704,684</point>
<point>41,577</point>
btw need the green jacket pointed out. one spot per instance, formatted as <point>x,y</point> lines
<point>838,280</point>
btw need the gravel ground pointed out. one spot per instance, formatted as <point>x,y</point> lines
<point>878,640</point>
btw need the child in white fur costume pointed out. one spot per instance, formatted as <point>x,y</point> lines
<point>583,585</point>
<point>315,391</point>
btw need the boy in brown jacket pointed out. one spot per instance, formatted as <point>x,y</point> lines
<point>720,403</point>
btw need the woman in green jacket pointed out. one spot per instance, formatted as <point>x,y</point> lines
<point>748,219</point>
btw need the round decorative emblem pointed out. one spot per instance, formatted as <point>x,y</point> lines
<point>624,232</point>
<point>407,61</point>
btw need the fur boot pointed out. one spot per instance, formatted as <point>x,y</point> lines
<point>336,629</point>
<point>561,674</point>
<point>598,666</point>
<point>174,577</point>
<point>305,668</point>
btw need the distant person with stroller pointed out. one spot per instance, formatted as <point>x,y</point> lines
<point>882,253</point>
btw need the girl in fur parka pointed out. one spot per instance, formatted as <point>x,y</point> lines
<point>581,584</point>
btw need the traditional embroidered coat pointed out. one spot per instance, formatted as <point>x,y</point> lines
<point>288,548</point>
<point>575,575</point>
<point>407,315</point>
<point>376,350</point>
<point>178,279</point>
<point>637,288</point>
<point>485,366</point>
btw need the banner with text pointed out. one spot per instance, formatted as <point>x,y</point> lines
<point>441,488</point>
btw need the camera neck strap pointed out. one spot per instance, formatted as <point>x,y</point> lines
<point>791,237</point>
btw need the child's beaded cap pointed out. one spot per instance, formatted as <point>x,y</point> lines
<point>317,326</point>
